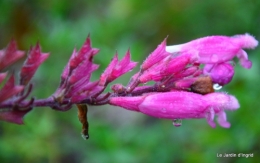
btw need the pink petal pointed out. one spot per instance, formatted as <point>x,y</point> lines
<point>245,41</point>
<point>210,117</point>
<point>222,120</point>
<point>243,59</point>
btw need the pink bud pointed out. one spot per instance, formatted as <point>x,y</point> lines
<point>34,60</point>
<point>116,69</point>
<point>10,55</point>
<point>221,73</point>
<point>85,53</point>
<point>156,56</point>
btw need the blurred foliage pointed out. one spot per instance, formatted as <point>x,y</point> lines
<point>117,135</point>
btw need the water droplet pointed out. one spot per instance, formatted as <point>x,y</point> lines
<point>85,137</point>
<point>233,63</point>
<point>163,110</point>
<point>177,122</point>
<point>217,86</point>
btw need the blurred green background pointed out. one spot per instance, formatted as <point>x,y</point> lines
<point>117,135</point>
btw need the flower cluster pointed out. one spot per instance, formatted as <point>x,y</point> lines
<point>12,96</point>
<point>184,77</point>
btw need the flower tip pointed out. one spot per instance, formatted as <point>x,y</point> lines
<point>224,124</point>
<point>88,40</point>
<point>233,103</point>
<point>246,64</point>
<point>247,41</point>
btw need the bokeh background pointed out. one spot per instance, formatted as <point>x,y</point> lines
<point>118,135</point>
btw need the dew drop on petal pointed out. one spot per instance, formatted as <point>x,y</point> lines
<point>217,87</point>
<point>177,122</point>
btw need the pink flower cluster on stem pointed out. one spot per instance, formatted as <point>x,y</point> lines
<point>13,96</point>
<point>183,77</point>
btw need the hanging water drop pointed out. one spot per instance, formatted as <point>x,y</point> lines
<point>217,87</point>
<point>177,122</point>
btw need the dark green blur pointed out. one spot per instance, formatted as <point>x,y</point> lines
<point>117,135</point>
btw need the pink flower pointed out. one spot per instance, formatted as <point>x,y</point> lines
<point>181,105</point>
<point>34,60</point>
<point>218,49</point>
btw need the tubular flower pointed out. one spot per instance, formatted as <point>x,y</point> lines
<point>181,105</point>
<point>216,52</point>
<point>218,49</point>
